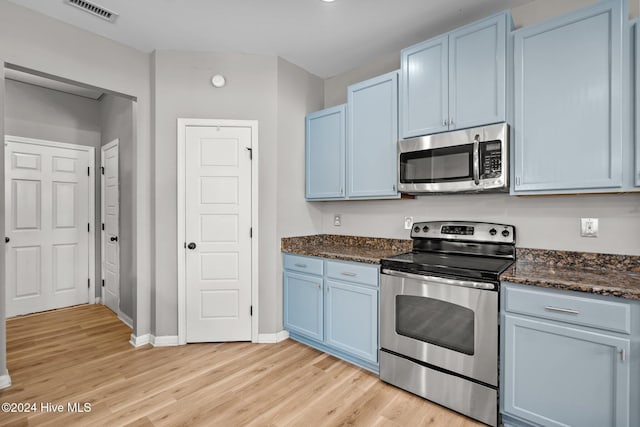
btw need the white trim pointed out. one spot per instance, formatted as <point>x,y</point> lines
<point>164,341</point>
<point>125,319</point>
<point>102,218</point>
<point>273,338</point>
<point>5,381</point>
<point>140,341</point>
<point>92,198</point>
<point>98,300</point>
<point>182,127</point>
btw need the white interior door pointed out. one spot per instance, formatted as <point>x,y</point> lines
<point>218,227</point>
<point>111,229</point>
<point>46,220</point>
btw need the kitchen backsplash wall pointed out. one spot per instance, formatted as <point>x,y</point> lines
<point>551,222</point>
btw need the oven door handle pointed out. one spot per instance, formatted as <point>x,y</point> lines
<point>476,159</point>
<point>441,280</point>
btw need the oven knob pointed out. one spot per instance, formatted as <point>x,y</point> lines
<point>505,233</point>
<point>493,231</point>
<point>416,229</point>
<point>425,228</point>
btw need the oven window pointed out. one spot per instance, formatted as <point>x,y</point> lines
<point>436,322</point>
<point>437,165</point>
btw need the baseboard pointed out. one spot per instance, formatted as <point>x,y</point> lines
<point>125,319</point>
<point>273,338</point>
<point>140,341</point>
<point>164,341</point>
<point>5,381</point>
<point>97,300</point>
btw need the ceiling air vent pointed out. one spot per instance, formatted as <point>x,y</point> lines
<point>94,9</point>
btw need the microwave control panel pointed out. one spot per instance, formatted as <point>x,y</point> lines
<point>490,159</point>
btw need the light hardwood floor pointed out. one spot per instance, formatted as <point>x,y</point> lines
<point>82,354</point>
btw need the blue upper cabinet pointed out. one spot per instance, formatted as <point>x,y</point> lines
<point>637,127</point>
<point>424,96</point>
<point>325,154</point>
<point>568,103</point>
<point>455,81</point>
<point>372,138</point>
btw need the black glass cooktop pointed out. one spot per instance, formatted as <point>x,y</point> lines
<point>454,265</point>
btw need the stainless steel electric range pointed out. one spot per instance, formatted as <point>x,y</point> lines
<point>439,333</point>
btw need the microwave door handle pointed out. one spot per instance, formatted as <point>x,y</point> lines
<point>476,159</point>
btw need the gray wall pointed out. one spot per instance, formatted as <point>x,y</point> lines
<point>3,329</point>
<point>298,94</point>
<point>182,89</point>
<point>542,222</point>
<point>35,112</point>
<point>41,43</point>
<point>116,118</point>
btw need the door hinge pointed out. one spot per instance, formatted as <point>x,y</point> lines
<point>88,227</point>
<point>250,310</point>
<point>102,170</point>
<point>103,226</point>
<point>88,283</point>
<point>250,150</point>
<point>103,283</point>
<point>251,232</point>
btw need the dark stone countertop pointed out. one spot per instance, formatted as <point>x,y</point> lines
<point>601,274</point>
<point>369,250</point>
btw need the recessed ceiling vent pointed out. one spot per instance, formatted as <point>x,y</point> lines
<point>94,9</point>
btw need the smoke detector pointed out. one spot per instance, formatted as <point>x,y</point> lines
<point>93,9</point>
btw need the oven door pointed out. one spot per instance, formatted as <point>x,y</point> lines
<point>449,324</point>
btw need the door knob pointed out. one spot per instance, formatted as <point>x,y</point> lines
<point>191,246</point>
<point>7,240</point>
<point>114,238</point>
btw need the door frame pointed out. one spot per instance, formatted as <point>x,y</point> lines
<point>183,124</point>
<point>92,198</point>
<point>103,254</point>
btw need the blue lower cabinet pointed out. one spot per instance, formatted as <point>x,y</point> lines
<point>303,304</point>
<point>339,317</point>
<point>351,319</point>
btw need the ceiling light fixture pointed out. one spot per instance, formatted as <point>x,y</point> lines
<point>218,81</point>
<point>328,1</point>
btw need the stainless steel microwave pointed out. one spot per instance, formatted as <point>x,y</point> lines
<point>468,160</point>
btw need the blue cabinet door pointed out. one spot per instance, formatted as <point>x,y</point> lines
<point>424,88</point>
<point>372,138</point>
<point>477,73</point>
<point>325,154</point>
<point>557,375</point>
<point>637,163</point>
<point>303,305</point>
<point>568,102</point>
<point>351,319</point>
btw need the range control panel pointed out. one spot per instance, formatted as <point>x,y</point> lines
<point>462,230</point>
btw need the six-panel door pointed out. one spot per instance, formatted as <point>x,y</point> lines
<point>325,154</point>
<point>351,319</point>
<point>563,376</point>
<point>303,304</point>
<point>372,138</point>
<point>568,109</point>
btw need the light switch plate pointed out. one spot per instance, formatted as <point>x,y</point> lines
<point>337,220</point>
<point>589,227</point>
<point>408,222</point>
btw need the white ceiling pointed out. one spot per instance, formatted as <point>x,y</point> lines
<point>326,39</point>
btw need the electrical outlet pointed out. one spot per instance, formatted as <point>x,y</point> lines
<point>408,222</point>
<point>589,227</point>
<point>337,220</point>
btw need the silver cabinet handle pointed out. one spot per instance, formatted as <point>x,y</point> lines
<point>301,265</point>
<point>444,122</point>
<point>346,273</point>
<point>561,310</point>
<point>623,355</point>
<point>451,122</point>
<point>319,286</point>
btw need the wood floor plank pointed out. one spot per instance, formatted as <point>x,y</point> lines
<point>82,354</point>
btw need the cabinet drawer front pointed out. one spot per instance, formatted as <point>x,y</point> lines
<point>303,264</point>
<point>353,272</point>
<point>608,315</point>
